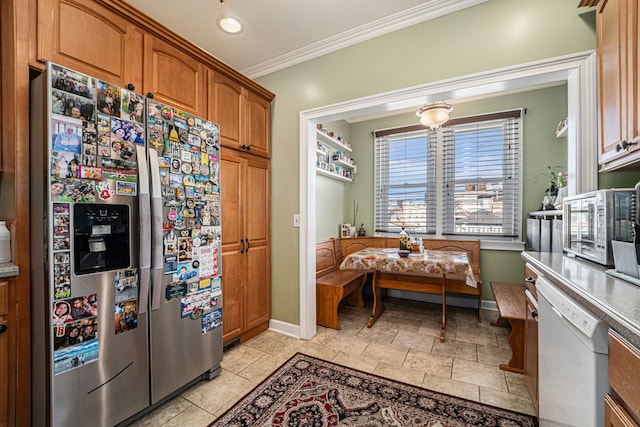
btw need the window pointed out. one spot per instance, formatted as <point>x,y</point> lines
<point>463,179</point>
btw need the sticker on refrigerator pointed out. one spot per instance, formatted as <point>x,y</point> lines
<point>170,243</point>
<point>90,172</point>
<point>124,188</point>
<point>195,302</point>
<point>174,291</point>
<point>75,332</point>
<point>126,284</point>
<point>132,106</point>
<point>212,320</point>
<point>75,356</point>
<point>72,190</point>
<point>185,272</point>
<point>208,256</point>
<point>126,316</point>
<point>104,190</point>
<point>216,286</point>
<point>64,164</point>
<point>108,97</point>
<point>170,264</point>
<point>74,90</point>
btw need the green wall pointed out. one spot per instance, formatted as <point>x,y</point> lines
<point>492,35</point>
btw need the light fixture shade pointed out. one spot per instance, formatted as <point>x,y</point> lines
<point>229,25</point>
<point>434,115</point>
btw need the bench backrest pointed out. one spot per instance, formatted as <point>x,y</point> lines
<point>326,260</point>
<point>471,247</point>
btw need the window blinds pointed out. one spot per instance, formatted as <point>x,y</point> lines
<point>481,178</point>
<point>473,178</point>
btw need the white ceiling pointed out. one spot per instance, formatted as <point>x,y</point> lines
<point>281,33</point>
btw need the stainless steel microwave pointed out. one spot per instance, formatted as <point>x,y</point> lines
<point>590,221</point>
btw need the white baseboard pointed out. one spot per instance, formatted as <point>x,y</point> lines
<point>291,330</point>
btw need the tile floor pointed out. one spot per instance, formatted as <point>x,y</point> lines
<point>403,345</point>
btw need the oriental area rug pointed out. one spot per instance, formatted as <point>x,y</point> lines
<point>310,392</point>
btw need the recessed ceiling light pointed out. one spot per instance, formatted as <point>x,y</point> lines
<point>229,25</point>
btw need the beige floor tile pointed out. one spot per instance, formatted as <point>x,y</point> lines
<point>208,395</point>
<point>348,344</point>
<point>402,374</point>
<point>505,400</point>
<point>323,335</point>
<point>381,333</point>
<point>352,326</point>
<point>164,413</point>
<point>479,374</point>
<point>516,384</point>
<point>429,363</point>
<point>452,387</point>
<point>275,344</point>
<point>393,354</point>
<point>262,368</point>
<point>191,417</point>
<point>358,362</point>
<point>238,358</point>
<point>434,328</point>
<point>458,349</point>
<point>412,339</point>
<point>491,355</point>
<point>318,350</point>
<point>477,335</point>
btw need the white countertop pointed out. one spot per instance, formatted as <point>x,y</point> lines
<point>615,301</point>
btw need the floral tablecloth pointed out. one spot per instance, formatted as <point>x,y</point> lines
<point>429,262</point>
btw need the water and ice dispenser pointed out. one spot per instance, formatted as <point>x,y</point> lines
<point>101,237</point>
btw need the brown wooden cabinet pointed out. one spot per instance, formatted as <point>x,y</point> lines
<point>531,348</point>
<point>622,405</point>
<point>174,77</point>
<point>225,108</point>
<point>5,350</point>
<point>257,124</point>
<point>86,36</point>
<point>245,196</point>
<point>618,65</point>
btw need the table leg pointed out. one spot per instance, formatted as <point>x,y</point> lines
<point>378,307</point>
<point>444,308</point>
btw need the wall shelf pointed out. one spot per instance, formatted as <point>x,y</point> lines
<point>332,175</point>
<point>331,158</point>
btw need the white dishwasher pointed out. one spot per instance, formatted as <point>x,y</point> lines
<point>572,361</point>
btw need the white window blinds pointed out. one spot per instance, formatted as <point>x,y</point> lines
<point>463,179</point>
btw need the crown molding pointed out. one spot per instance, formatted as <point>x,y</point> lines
<point>429,10</point>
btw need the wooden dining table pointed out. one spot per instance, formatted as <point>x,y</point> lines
<point>419,272</point>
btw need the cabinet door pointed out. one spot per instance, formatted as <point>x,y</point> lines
<point>531,351</point>
<point>257,124</point>
<point>224,108</point>
<point>232,196</point>
<point>615,415</point>
<point>611,43</point>
<point>174,77</point>
<point>257,286</point>
<point>85,36</point>
<point>633,52</point>
<point>6,416</point>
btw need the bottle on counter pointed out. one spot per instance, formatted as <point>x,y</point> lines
<point>404,240</point>
<point>5,245</point>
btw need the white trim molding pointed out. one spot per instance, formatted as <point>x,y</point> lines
<point>577,70</point>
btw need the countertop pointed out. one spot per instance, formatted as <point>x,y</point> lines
<point>615,301</point>
<point>8,269</point>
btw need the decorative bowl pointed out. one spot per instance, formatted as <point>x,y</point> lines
<point>404,253</point>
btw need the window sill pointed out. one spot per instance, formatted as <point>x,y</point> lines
<point>496,245</point>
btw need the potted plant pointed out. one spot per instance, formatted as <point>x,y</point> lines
<point>555,181</point>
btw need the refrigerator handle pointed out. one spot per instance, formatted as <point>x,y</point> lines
<point>157,245</point>
<point>144,209</point>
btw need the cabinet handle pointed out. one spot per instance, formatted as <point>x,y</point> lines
<point>131,86</point>
<point>242,250</point>
<point>244,147</point>
<point>248,148</point>
<point>534,314</point>
<point>623,145</point>
<point>3,328</point>
<point>247,244</point>
<point>530,280</point>
<point>150,95</point>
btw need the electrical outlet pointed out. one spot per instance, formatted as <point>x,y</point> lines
<point>296,220</point>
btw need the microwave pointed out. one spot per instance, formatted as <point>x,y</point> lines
<point>590,221</point>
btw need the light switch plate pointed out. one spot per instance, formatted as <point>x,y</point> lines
<point>296,220</point>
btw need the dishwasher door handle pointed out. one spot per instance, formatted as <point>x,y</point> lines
<point>558,312</point>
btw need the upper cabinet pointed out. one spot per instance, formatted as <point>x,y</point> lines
<point>225,108</point>
<point>66,28</point>
<point>617,26</point>
<point>174,77</point>
<point>257,124</point>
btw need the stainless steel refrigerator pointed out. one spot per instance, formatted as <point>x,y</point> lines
<point>125,251</point>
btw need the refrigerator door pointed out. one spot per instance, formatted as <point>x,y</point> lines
<point>91,341</point>
<point>186,302</point>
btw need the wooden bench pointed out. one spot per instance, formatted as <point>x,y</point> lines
<point>512,306</point>
<point>333,285</point>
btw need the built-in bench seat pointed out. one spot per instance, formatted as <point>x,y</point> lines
<point>334,285</point>
<point>512,306</point>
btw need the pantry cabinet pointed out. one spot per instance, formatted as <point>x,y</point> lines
<point>224,108</point>
<point>618,65</point>
<point>87,37</point>
<point>256,124</point>
<point>246,292</point>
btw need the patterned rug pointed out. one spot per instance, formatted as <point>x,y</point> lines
<point>309,392</point>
